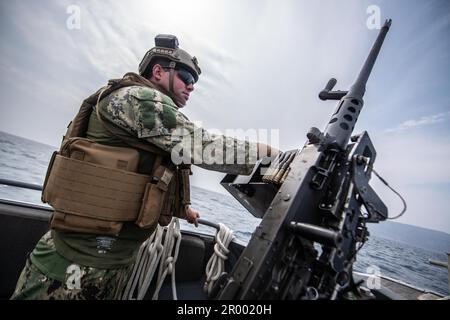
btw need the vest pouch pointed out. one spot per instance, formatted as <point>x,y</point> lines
<point>94,188</point>
<point>171,204</point>
<point>112,157</point>
<point>74,223</point>
<point>154,198</point>
<point>49,170</point>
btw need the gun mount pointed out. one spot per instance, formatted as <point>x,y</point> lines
<point>314,203</point>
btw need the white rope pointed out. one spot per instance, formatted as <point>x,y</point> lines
<point>147,258</point>
<point>167,263</point>
<point>216,263</point>
<point>151,252</point>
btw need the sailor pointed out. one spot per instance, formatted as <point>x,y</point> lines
<point>123,167</point>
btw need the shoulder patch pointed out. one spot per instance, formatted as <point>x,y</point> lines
<point>149,94</point>
<point>169,117</point>
<point>144,93</point>
<point>148,114</point>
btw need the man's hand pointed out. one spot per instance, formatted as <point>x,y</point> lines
<point>192,216</point>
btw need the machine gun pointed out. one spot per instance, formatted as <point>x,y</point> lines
<point>314,204</point>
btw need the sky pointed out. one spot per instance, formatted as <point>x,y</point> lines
<point>263,65</point>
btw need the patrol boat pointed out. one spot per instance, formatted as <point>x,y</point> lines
<point>24,224</point>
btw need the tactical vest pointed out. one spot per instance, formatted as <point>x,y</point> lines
<point>95,188</point>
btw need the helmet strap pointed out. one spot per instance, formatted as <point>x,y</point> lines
<point>170,92</point>
<point>172,66</point>
<point>171,75</point>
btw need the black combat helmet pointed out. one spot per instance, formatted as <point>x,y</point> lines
<point>166,47</point>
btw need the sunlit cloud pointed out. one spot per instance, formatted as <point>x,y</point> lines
<point>421,122</point>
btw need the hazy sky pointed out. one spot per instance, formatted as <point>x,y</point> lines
<point>263,64</point>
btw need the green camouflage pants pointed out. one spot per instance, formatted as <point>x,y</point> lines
<point>86,284</point>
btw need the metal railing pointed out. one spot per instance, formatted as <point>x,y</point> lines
<point>20,184</point>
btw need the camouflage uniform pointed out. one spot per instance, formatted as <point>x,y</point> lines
<point>153,116</point>
<point>79,283</point>
<point>86,270</point>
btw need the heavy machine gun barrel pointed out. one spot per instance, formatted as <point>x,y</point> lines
<point>347,111</point>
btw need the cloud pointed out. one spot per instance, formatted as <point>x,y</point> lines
<point>421,122</point>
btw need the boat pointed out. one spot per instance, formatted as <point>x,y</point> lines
<point>24,223</point>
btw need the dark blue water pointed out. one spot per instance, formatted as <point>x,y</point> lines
<point>25,160</point>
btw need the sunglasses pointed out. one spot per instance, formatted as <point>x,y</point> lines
<point>185,76</point>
